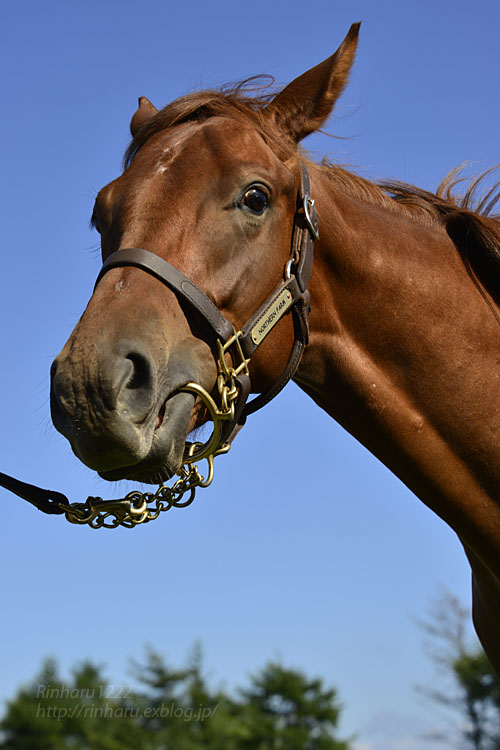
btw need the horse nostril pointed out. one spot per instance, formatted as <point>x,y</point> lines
<point>134,391</point>
<point>123,388</point>
<point>141,373</point>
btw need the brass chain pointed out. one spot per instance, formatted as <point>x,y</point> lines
<point>141,507</point>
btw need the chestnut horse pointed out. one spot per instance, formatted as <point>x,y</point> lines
<point>404,338</point>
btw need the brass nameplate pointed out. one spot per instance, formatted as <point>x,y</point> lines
<point>272,315</point>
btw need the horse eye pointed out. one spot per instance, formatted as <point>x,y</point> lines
<point>255,199</point>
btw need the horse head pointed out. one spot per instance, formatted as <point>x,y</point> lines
<point>210,185</point>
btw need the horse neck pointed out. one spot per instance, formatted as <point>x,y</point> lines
<point>404,354</point>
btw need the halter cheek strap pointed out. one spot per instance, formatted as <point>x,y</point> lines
<point>290,294</point>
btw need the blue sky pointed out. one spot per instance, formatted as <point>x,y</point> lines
<point>323,559</point>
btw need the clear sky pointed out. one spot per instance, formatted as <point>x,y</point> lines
<point>322,558</point>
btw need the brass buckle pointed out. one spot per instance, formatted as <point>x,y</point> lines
<point>310,214</point>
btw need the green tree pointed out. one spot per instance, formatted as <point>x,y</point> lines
<point>170,709</point>
<point>285,710</point>
<point>471,692</point>
<point>51,714</point>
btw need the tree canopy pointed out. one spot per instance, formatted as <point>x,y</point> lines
<point>171,709</point>
<point>471,691</point>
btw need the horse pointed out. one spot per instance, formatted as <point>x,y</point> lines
<point>393,329</point>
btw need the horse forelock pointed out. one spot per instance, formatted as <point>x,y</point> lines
<point>245,101</point>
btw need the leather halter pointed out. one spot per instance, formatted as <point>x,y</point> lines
<point>291,294</point>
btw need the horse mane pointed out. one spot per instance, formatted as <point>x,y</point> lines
<point>468,218</point>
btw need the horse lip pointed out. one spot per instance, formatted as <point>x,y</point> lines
<point>166,451</point>
<point>139,473</point>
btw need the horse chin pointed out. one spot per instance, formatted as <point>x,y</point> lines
<point>165,455</point>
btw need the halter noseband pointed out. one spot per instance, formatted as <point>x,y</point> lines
<point>233,382</point>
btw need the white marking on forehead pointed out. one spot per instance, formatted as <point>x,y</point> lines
<point>169,154</point>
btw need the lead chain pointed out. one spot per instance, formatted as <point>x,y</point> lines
<point>140,507</point>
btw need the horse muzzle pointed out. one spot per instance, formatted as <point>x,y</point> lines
<point>123,416</point>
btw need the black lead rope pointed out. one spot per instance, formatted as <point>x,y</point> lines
<point>48,501</point>
<point>291,294</point>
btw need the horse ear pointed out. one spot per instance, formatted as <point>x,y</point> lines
<point>304,105</point>
<point>145,112</point>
